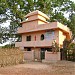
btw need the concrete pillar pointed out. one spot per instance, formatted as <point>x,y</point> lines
<point>33,56</point>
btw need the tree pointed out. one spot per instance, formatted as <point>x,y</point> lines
<point>72,24</point>
<point>15,10</point>
<point>3,34</point>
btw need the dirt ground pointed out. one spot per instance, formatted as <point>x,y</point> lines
<point>38,68</point>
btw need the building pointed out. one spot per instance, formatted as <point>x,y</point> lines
<point>38,35</point>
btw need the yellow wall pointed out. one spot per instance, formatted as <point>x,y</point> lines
<point>61,37</point>
<point>42,18</point>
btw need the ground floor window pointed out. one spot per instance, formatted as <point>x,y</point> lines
<point>27,49</point>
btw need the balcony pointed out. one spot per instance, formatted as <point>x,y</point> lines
<point>44,43</point>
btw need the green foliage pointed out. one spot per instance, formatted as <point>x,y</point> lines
<point>65,44</point>
<point>69,50</point>
<point>55,46</point>
<point>4,34</point>
<point>72,23</point>
<point>72,46</point>
<point>15,10</point>
<point>9,46</point>
<point>19,8</point>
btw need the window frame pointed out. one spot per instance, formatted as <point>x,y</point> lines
<point>42,37</point>
<point>28,38</point>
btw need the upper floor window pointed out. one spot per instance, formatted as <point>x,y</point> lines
<point>49,35</point>
<point>42,37</point>
<point>28,38</point>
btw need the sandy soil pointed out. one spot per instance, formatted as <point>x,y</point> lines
<point>38,68</point>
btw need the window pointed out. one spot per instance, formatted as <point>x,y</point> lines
<point>28,49</point>
<point>42,37</point>
<point>28,38</point>
<point>49,35</point>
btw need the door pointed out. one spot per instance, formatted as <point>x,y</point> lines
<point>43,53</point>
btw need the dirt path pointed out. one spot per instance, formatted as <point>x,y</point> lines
<point>37,68</point>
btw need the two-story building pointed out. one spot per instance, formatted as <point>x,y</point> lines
<point>38,34</point>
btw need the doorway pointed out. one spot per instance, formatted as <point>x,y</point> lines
<point>43,52</point>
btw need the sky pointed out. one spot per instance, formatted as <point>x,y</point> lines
<point>7,23</point>
<point>72,0</point>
